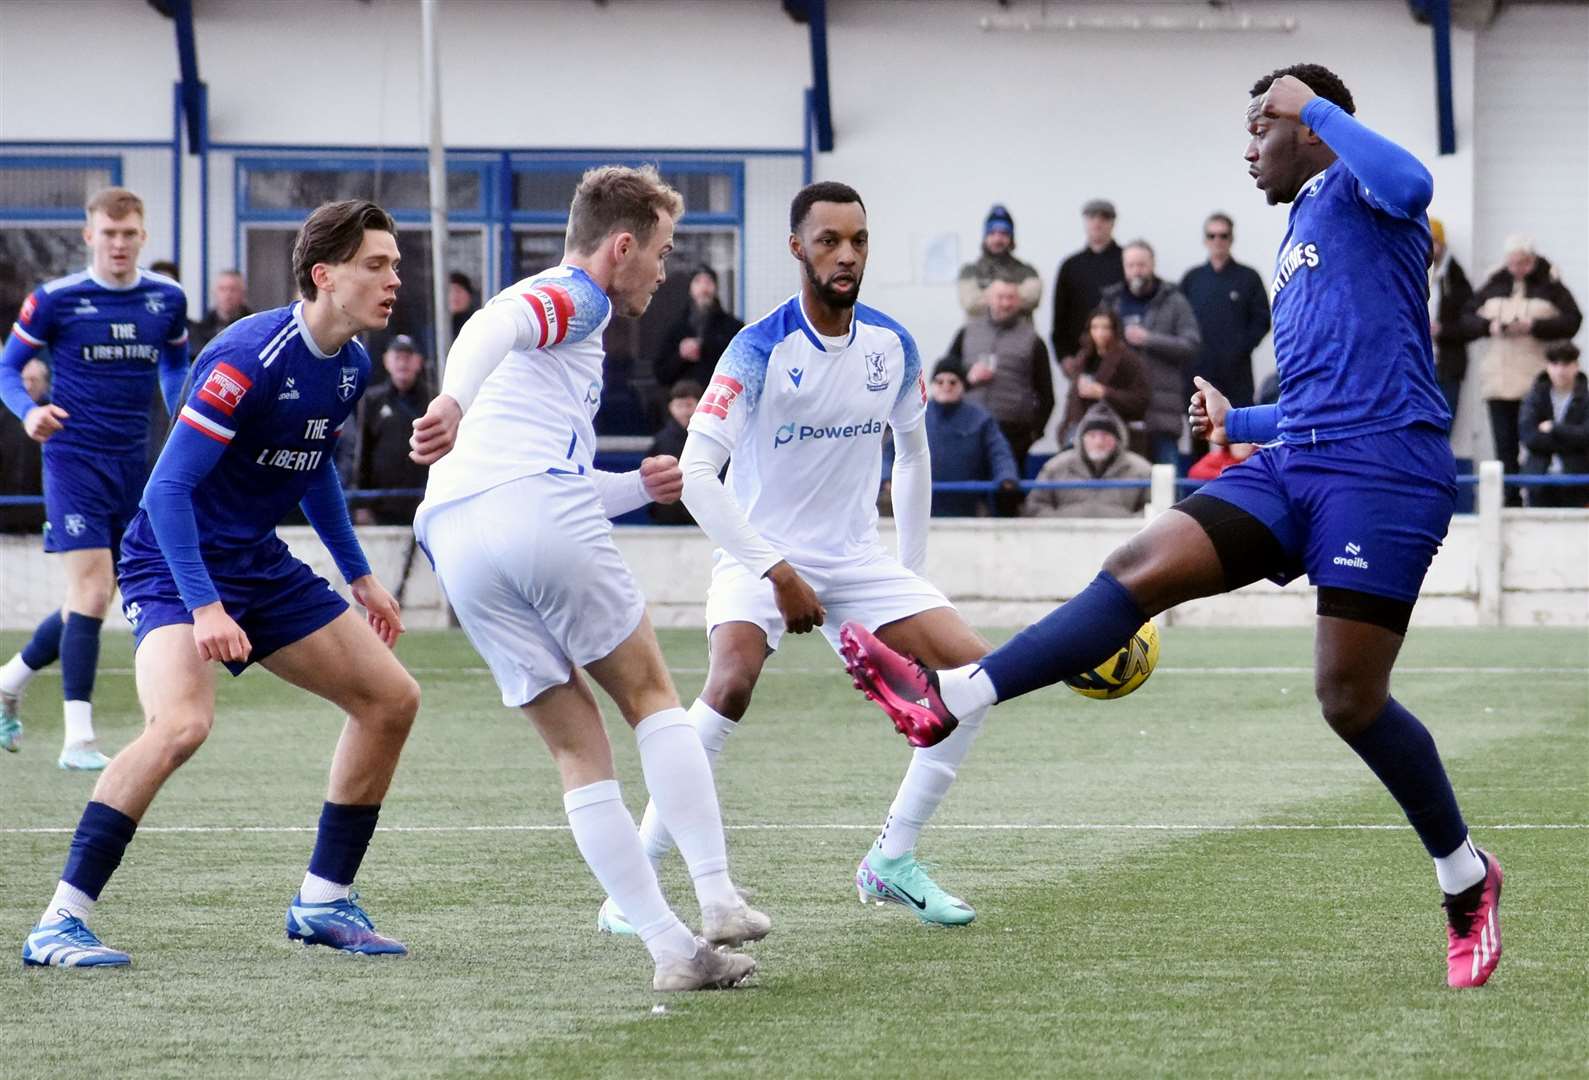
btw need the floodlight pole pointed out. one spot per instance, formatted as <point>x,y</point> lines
<point>430,72</point>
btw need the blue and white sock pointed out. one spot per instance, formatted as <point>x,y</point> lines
<point>340,843</point>
<point>79,665</point>
<point>98,844</point>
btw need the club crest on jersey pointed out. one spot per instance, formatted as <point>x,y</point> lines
<point>349,383</point>
<point>225,387</point>
<point>876,371</point>
<point>720,396</point>
<point>153,304</point>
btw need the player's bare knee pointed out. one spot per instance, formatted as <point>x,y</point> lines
<point>728,693</point>
<point>180,736</point>
<point>1348,705</point>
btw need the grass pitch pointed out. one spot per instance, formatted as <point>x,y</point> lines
<point>1198,880</point>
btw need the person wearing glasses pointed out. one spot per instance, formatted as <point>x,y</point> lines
<point>1232,309</point>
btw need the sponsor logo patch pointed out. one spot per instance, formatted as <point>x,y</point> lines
<point>225,387</point>
<point>29,306</point>
<point>720,396</point>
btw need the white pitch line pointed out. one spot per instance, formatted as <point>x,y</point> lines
<point>844,827</point>
<point>836,671</point>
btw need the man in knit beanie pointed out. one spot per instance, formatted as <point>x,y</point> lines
<point>998,261</point>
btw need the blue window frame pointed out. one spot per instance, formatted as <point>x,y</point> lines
<point>52,187</point>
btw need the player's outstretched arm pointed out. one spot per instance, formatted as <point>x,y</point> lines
<point>1395,179</point>
<point>911,483</point>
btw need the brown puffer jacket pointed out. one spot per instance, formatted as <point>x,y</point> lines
<point>1074,465</point>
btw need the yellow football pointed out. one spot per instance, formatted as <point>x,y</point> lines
<point>1124,671</point>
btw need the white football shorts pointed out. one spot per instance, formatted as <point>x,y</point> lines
<point>874,593</point>
<point>538,585</point>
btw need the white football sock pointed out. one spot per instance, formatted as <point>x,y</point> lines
<point>318,890</point>
<point>714,729</point>
<point>70,899</point>
<point>15,676</point>
<point>1460,870</point>
<point>966,689</point>
<point>932,770</point>
<point>79,722</point>
<point>605,835</point>
<point>680,779</point>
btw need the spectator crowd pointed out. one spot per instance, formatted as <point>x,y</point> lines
<point>1126,342</point>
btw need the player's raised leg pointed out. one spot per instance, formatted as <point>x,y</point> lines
<point>345,663</point>
<point>1172,560</point>
<point>1352,664</point>
<point>177,691</point>
<point>890,872</point>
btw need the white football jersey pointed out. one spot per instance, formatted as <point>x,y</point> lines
<point>804,424</point>
<point>534,413</point>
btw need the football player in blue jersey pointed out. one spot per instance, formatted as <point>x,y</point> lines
<point>205,578</point>
<point>113,330</point>
<point>1354,487</point>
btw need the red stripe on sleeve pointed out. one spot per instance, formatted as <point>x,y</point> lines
<point>533,300</point>
<point>564,304</point>
<point>202,430</point>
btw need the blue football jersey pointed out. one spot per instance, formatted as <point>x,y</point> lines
<point>1351,316</point>
<point>266,391</point>
<point>105,346</point>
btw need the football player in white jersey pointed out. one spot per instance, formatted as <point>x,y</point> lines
<point>800,401</point>
<point>515,521</point>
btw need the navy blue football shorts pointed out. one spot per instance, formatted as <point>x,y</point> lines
<point>273,596</point>
<point>1365,514</point>
<point>90,499</point>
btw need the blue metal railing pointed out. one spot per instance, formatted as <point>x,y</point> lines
<point>985,487</point>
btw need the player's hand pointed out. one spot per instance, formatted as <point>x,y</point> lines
<point>1136,334</point>
<point>662,478</point>
<point>43,421</point>
<point>379,607</point>
<point>1208,412</point>
<point>1286,98</point>
<point>436,431</point>
<point>797,601</point>
<point>217,636</point>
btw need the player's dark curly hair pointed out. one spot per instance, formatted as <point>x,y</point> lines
<point>1320,79</point>
<point>821,191</point>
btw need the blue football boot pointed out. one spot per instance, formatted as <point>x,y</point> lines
<point>69,943</point>
<point>339,924</point>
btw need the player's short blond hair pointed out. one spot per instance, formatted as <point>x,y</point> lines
<point>115,202</point>
<point>615,198</point>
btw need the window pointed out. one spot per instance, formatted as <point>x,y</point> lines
<point>291,186</point>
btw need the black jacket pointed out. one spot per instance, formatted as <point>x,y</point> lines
<point>1451,345</point>
<point>1078,287</point>
<point>1232,309</point>
<point>386,420</point>
<point>1569,437</point>
<point>715,328</point>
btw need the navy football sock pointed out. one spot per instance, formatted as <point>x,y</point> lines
<point>1075,637</point>
<point>341,841</point>
<point>1402,754</point>
<point>45,647</point>
<point>79,656</point>
<point>101,838</point>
